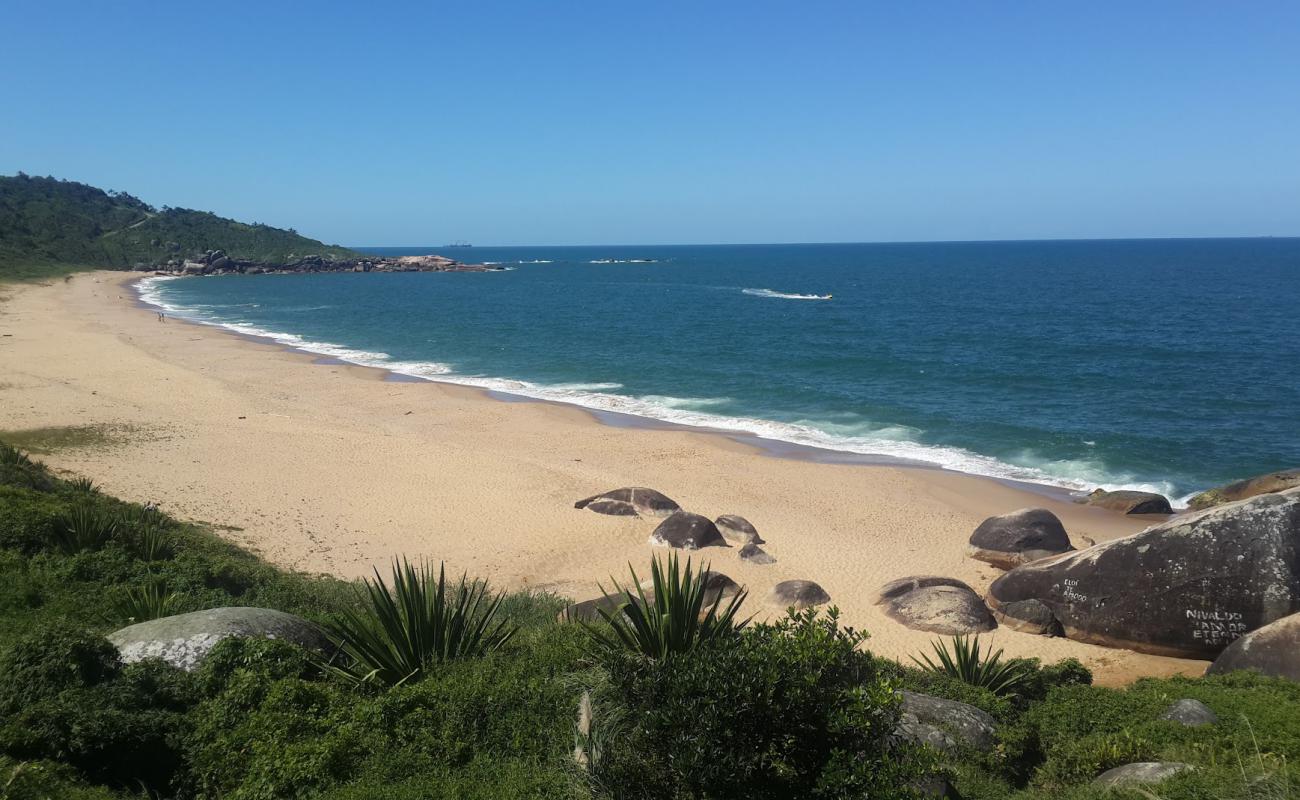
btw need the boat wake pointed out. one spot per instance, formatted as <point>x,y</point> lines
<point>784,295</point>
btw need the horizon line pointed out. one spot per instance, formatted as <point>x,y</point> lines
<point>876,242</point>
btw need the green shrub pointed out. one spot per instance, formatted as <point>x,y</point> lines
<point>676,621</point>
<point>86,526</point>
<point>27,519</point>
<point>144,601</point>
<point>964,658</point>
<point>401,632</point>
<point>790,709</point>
<point>46,780</point>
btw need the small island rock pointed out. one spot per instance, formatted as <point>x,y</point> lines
<point>185,639</point>
<point>687,531</point>
<point>738,529</point>
<point>1009,540</point>
<point>799,594</point>
<point>630,501</point>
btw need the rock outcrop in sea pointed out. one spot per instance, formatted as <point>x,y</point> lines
<point>1188,587</point>
<point>1242,490</point>
<point>216,262</point>
<point>1127,501</point>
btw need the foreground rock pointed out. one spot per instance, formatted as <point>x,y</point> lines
<point>935,604</point>
<point>946,725</point>
<point>687,531</point>
<point>1272,650</point>
<point>716,586</point>
<point>1010,540</point>
<point>1189,712</point>
<point>1242,490</point>
<point>800,594</point>
<point>756,555</point>
<point>1187,587</point>
<point>630,501</point>
<point>1143,773</point>
<point>185,639</point>
<point>1130,502</point>
<point>738,529</point>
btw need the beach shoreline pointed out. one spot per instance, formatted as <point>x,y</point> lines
<point>321,472</point>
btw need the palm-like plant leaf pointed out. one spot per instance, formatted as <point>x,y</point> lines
<point>400,632</point>
<point>675,621</point>
<point>84,527</point>
<point>967,661</point>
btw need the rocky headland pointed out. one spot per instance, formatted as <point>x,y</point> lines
<point>217,262</point>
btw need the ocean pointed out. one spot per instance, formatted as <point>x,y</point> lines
<point>1170,365</point>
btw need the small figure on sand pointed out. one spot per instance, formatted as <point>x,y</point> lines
<point>162,317</point>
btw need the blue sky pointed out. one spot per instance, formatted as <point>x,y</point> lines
<point>612,122</point>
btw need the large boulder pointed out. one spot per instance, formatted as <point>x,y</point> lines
<point>1242,490</point>
<point>1142,773</point>
<point>1191,713</point>
<point>1009,540</point>
<point>1130,502</point>
<point>1187,587</point>
<point>716,586</point>
<point>799,594</point>
<point>630,501</point>
<point>937,605</point>
<point>185,639</point>
<point>687,531</point>
<point>1028,616</point>
<point>738,529</point>
<point>946,725</point>
<point>1273,650</point>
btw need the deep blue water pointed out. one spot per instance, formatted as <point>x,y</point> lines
<point>1173,364</point>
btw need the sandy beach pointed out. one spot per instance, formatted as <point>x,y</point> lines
<point>326,467</point>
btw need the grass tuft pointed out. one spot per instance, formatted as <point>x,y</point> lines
<point>966,660</point>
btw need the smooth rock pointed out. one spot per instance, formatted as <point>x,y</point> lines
<point>687,531</point>
<point>738,529</point>
<point>1251,487</point>
<point>756,555</point>
<point>1009,540</point>
<point>947,609</point>
<point>1273,650</point>
<point>1143,773</point>
<point>800,594</point>
<point>1131,502</point>
<point>1189,712</point>
<point>901,586</point>
<point>946,725</point>
<point>1187,587</point>
<point>630,501</point>
<point>183,640</point>
<point>716,586</point>
<point>1029,616</point>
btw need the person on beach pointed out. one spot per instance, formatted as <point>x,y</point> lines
<point>162,317</point>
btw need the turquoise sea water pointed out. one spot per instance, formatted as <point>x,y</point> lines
<point>1167,364</point>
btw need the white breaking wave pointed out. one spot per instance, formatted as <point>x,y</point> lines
<point>784,295</point>
<point>889,441</point>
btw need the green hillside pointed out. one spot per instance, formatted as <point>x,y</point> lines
<point>49,226</point>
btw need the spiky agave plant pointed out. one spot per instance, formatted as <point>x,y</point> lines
<point>675,621</point>
<point>83,527</point>
<point>13,457</point>
<point>967,661</point>
<point>400,632</point>
<point>83,486</point>
<point>144,602</point>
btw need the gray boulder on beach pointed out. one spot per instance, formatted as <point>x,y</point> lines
<point>738,529</point>
<point>756,555</point>
<point>1272,650</point>
<point>630,501</point>
<point>716,586</point>
<point>935,604</point>
<point>687,531</point>
<point>1127,501</point>
<point>946,725</point>
<point>799,594</point>
<point>1028,616</point>
<point>185,639</point>
<point>1187,587</point>
<point>1009,540</point>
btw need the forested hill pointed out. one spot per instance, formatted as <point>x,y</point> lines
<point>46,223</point>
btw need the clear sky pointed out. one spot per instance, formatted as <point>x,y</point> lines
<point>550,122</point>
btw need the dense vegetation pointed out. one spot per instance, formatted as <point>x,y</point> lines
<point>788,709</point>
<point>49,225</point>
